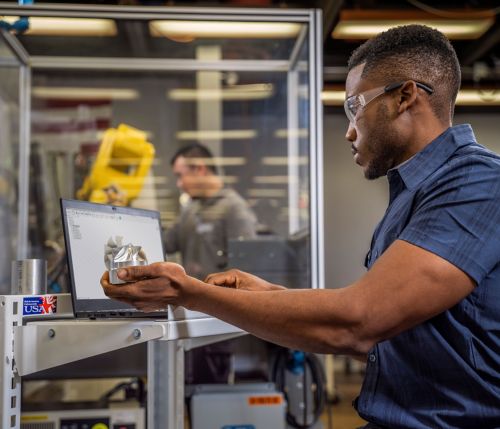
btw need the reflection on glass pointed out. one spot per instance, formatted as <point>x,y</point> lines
<point>54,26</point>
<point>235,92</point>
<point>9,161</point>
<point>190,30</point>
<point>254,122</point>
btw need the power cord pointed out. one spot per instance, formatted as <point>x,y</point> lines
<point>301,363</point>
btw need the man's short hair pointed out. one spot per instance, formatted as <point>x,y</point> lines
<point>197,151</point>
<point>415,52</point>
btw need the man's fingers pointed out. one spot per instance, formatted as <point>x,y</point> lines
<point>222,279</point>
<point>157,269</point>
<point>132,274</point>
<point>211,277</point>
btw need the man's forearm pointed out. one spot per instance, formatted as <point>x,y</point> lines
<point>313,320</point>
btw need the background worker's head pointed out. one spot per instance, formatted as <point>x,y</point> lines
<point>195,171</point>
<point>409,78</point>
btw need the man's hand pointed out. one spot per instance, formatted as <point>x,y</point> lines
<point>237,279</point>
<point>151,287</point>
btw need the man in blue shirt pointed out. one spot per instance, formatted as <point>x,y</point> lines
<point>426,315</point>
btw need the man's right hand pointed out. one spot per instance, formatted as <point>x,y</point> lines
<point>237,279</point>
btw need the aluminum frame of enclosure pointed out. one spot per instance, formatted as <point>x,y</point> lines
<point>23,65</point>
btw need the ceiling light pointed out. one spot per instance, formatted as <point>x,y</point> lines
<point>274,180</point>
<point>216,135</point>
<point>333,97</point>
<point>267,193</point>
<point>465,97</point>
<point>284,161</point>
<point>291,133</point>
<point>478,97</point>
<point>230,180</point>
<point>82,93</point>
<point>257,91</point>
<point>189,30</point>
<point>223,161</point>
<point>366,24</point>
<point>49,26</point>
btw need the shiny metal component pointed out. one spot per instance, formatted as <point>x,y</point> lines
<point>29,277</point>
<point>117,255</point>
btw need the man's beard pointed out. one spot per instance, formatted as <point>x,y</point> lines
<point>385,146</point>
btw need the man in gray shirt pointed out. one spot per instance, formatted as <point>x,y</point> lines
<point>213,215</point>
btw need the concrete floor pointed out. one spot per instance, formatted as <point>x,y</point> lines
<point>342,415</point>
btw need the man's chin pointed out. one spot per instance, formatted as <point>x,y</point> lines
<point>371,174</point>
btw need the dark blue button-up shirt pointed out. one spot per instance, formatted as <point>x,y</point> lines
<point>444,373</point>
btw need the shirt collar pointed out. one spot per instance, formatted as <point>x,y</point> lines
<point>415,170</point>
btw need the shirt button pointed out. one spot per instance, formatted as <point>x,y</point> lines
<point>372,357</point>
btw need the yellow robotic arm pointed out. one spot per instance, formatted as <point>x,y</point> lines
<point>120,168</point>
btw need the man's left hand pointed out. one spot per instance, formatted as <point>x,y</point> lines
<point>151,287</point>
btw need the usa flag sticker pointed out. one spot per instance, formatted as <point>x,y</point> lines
<point>39,305</point>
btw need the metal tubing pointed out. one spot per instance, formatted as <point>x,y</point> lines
<point>149,13</point>
<point>165,385</point>
<point>316,135</point>
<point>16,47</point>
<point>294,56</point>
<point>24,158</point>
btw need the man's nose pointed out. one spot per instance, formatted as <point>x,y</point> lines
<point>351,135</point>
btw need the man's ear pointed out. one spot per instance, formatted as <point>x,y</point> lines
<point>407,96</point>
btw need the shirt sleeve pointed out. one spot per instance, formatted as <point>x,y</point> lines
<point>458,217</point>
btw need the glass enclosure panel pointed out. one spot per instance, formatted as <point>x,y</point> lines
<point>246,206</point>
<point>158,38</point>
<point>9,162</point>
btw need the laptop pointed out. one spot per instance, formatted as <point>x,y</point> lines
<point>88,227</point>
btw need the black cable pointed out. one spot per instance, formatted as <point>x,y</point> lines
<point>278,376</point>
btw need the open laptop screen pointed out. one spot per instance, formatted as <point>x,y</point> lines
<point>88,229</point>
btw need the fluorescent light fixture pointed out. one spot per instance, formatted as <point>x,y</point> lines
<point>227,160</point>
<point>82,93</point>
<point>216,135</point>
<point>453,29</point>
<point>149,136</point>
<point>478,97</point>
<point>364,24</point>
<point>284,161</point>
<point>188,30</point>
<point>220,160</point>
<point>291,133</point>
<point>465,97</point>
<point>230,180</point>
<point>333,98</point>
<point>266,193</point>
<point>51,26</point>
<point>274,180</point>
<point>256,91</point>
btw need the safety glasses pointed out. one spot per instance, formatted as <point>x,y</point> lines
<point>354,103</point>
